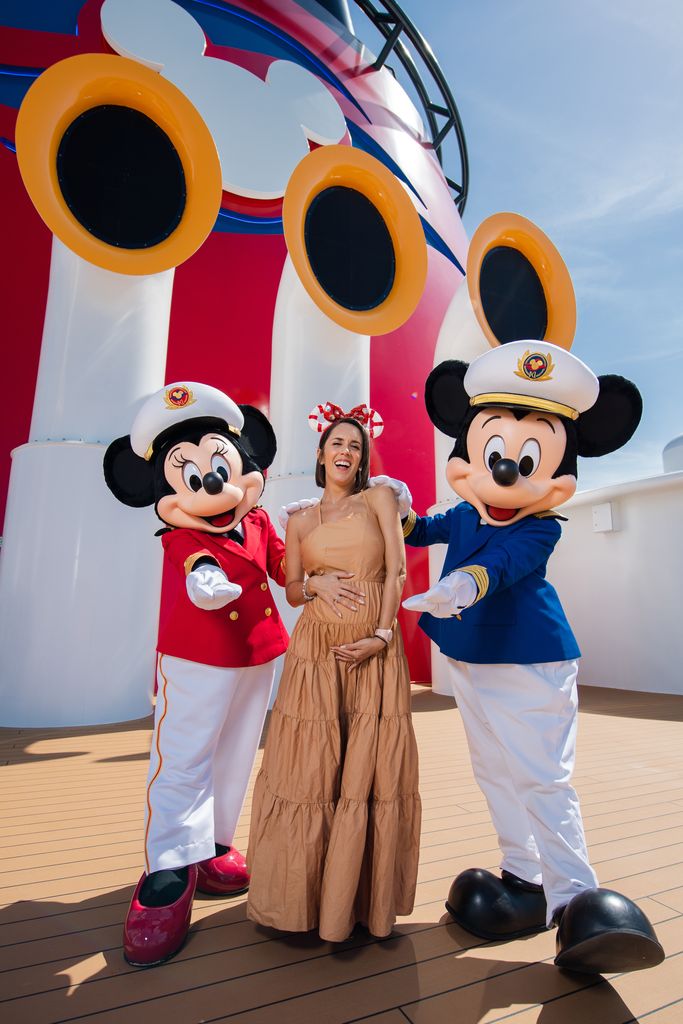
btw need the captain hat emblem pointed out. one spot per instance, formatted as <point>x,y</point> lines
<point>535,366</point>
<point>174,403</point>
<point>178,396</point>
<point>532,375</point>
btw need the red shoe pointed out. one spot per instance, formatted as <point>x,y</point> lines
<point>152,935</point>
<point>226,875</point>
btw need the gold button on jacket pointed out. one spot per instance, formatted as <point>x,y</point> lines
<point>269,611</point>
<point>264,586</point>
<point>234,616</point>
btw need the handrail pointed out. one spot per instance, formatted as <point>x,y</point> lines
<point>392,23</point>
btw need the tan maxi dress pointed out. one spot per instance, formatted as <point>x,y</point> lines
<point>335,822</point>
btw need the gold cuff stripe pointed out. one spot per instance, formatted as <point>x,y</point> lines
<point>409,524</point>
<point>542,404</point>
<point>480,577</point>
<point>192,559</point>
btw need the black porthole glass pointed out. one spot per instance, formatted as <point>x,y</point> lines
<point>349,248</point>
<point>512,296</point>
<point>121,177</point>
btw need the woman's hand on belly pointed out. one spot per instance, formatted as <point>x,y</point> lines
<point>334,589</point>
<point>356,653</point>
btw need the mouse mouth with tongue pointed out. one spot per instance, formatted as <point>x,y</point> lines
<point>221,521</point>
<point>501,515</point>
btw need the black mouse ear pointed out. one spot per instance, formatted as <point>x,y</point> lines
<point>445,396</point>
<point>258,437</point>
<point>612,421</point>
<point>128,477</point>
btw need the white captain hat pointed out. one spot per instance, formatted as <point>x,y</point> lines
<point>532,375</point>
<point>184,400</point>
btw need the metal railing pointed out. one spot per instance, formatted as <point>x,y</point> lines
<point>392,23</point>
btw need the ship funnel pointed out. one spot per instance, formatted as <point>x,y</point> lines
<point>355,239</point>
<point>672,455</point>
<point>518,283</point>
<point>517,287</point>
<point>118,163</point>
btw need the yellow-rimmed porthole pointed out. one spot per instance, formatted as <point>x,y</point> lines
<point>355,239</point>
<point>118,163</point>
<point>518,283</point>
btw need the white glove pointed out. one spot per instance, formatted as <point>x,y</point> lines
<point>403,495</point>
<point>295,506</point>
<point>446,598</point>
<point>209,588</point>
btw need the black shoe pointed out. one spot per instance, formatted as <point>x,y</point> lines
<point>496,908</point>
<point>603,932</point>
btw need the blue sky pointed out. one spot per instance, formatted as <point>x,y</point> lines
<point>573,116</point>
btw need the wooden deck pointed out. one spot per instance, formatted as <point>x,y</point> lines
<point>70,836</point>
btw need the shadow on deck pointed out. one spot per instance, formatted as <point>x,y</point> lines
<point>70,836</point>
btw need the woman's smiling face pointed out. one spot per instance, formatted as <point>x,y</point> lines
<point>341,454</point>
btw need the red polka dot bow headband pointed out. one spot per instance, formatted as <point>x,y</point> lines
<point>321,416</point>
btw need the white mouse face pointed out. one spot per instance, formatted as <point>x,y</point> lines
<point>261,128</point>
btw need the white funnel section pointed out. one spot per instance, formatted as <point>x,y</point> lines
<point>79,570</point>
<point>672,455</point>
<point>313,361</point>
<point>103,350</point>
<point>460,337</point>
<point>80,577</point>
<point>465,331</point>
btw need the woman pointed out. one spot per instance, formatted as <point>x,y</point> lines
<point>335,822</point>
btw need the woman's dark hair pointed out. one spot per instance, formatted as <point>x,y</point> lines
<point>363,474</point>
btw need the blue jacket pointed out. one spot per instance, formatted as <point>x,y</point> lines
<point>517,618</point>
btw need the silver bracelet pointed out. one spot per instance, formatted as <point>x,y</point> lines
<point>307,596</point>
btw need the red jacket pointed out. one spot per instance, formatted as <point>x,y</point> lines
<point>248,631</point>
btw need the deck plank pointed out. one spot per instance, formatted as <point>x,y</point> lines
<point>70,828</point>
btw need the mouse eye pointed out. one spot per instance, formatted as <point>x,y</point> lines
<point>529,457</point>
<point>192,477</point>
<point>220,465</point>
<point>494,450</point>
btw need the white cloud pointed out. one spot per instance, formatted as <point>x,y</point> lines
<point>633,196</point>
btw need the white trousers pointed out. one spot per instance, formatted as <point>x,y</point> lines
<point>520,722</point>
<point>207,727</point>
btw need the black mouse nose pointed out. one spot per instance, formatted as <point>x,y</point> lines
<point>212,483</point>
<point>505,472</point>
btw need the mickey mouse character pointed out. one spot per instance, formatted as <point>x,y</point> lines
<point>199,459</point>
<point>520,414</point>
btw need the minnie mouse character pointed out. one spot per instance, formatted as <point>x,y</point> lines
<point>199,459</point>
<point>521,414</point>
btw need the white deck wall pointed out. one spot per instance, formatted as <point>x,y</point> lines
<point>622,588</point>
